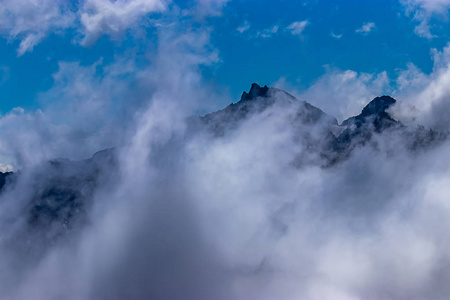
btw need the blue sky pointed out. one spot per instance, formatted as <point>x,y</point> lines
<point>390,45</point>
<point>254,44</point>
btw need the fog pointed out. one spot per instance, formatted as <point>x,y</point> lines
<point>231,217</point>
<point>177,212</point>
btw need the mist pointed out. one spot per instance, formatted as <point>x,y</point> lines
<point>164,205</point>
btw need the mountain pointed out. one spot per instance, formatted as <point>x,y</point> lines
<point>359,130</point>
<point>325,142</point>
<point>3,178</point>
<point>375,114</point>
<point>257,100</point>
<point>375,120</point>
<point>317,131</point>
<point>55,196</point>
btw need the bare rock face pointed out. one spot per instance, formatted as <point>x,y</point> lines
<point>374,114</point>
<point>3,178</point>
<point>255,92</point>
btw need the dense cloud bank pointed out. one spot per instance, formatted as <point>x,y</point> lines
<point>268,198</point>
<point>235,205</point>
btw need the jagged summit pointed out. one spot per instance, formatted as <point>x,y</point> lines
<point>257,100</point>
<point>378,105</point>
<point>255,92</point>
<point>375,114</point>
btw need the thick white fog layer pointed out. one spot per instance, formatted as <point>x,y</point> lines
<point>191,215</point>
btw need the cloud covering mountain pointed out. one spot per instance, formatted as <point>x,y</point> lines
<point>342,196</point>
<point>267,198</point>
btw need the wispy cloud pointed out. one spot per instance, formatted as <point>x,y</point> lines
<point>422,11</point>
<point>269,32</point>
<point>244,27</point>
<point>366,28</point>
<point>375,224</point>
<point>100,17</point>
<point>429,6</point>
<point>336,36</point>
<point>205,8</point>
<point>31,21</point>
<point>287,231</point>
<point>297,28</point>
<point>332,91</point>
<point>424,29</point>
<point>4,74</point>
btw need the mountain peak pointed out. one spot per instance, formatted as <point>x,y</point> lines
<point>378,106</point>
<point>255,92</point>
<point>374,113</point>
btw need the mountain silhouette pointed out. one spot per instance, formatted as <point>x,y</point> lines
<point>62,190</point>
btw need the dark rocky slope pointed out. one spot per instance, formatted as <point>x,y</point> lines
<point>52,200</point>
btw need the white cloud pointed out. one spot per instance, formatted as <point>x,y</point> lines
<point>269,32</point>
<point>366,28</point>
<point>168,89</point>
<point>422,11</point>
<point>341,93</point>
<point>427,96</point>
<point>423,98</point>
<point>206,8</point>
<point>375,225</point>
<point>4,74</point>
<point>78,117</point>
<point>431,6</point>
<point>31,20</point>
<point>336,36</point>
<point>297,28</point>
<point>99,17</point>
<point>230,217</point>
<point>424,30</point>
<point>244,27</point>
<point>88,107</point>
